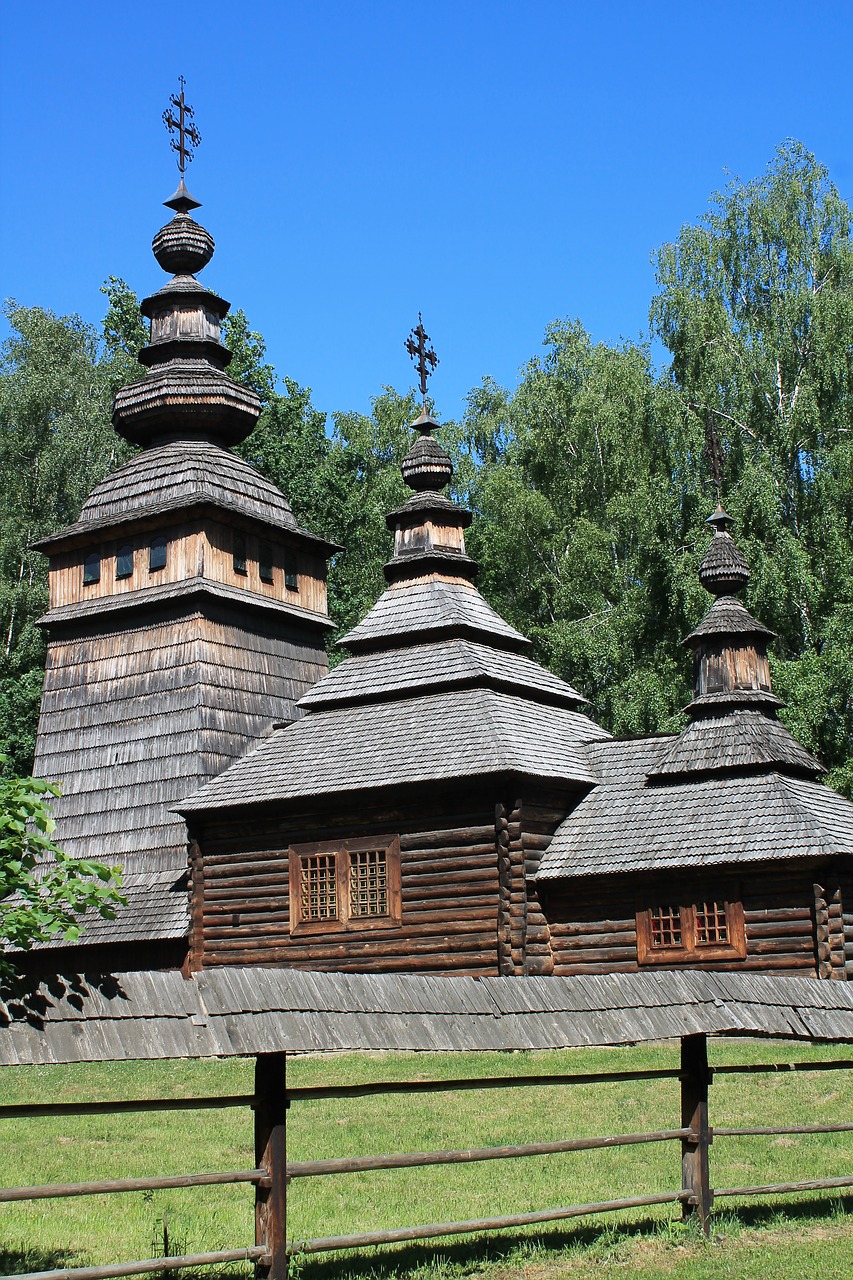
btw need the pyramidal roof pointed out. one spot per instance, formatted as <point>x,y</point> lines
<point>438,686</point>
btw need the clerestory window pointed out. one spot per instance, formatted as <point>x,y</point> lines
<point>345,884</point>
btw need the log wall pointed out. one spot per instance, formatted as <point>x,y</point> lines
<point>593,923</point>
<point>449,888</point>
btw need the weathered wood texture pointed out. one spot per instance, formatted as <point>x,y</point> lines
<point>133,720</point>
<point>449,890</point>
<point>201,548</point>
<point>467,906</point>
<point>593,925</point>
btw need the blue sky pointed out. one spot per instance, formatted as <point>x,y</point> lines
<point>494,165</point>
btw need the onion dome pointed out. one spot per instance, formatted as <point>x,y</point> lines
<point>186,393</point>
<point>426,466</point>
<point>183,246</point>
<point>723,570</point>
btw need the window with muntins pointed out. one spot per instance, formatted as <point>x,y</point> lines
<point>345,884</point>
<point>691,931</point>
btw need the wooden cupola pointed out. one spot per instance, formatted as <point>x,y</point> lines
<point>733,722</point>
<point>187,610</point>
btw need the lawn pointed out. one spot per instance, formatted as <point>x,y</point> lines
<point>790,1236</point>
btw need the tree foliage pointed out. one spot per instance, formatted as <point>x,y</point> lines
<point>43,893</point>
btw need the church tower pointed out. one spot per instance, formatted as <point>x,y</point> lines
<point>187,612</point>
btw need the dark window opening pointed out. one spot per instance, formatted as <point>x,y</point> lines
<point>291,577</point>
<point>265,561</point>
<point>157,554</point>
<point>124,561</point>
<point>92,568</point>
<point>239,553</point>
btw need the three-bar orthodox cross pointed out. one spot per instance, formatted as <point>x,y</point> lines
<point>423,356</point>
<point>188,135</point>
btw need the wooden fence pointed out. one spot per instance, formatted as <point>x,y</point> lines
<point>272,1174</point>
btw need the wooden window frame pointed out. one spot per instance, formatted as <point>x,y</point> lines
<point>345,922</point>
<point>690,951</point>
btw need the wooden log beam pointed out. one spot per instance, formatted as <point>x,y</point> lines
<point>59,1190</point>
<point>309,1093</point>
<point>420,1159</point>
<point>695,1171</point>
<point>271,1105</point>
<point>435,1229</point>
<point>13,1110</point>
<point>148,1265</point>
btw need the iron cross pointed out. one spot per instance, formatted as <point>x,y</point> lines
<point>187,132</point>
<point>423,356</point>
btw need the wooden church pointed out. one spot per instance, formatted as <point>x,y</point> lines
<point>438,802</point>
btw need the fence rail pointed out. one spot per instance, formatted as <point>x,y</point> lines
<point>272,1174</point>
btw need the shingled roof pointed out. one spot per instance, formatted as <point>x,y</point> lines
<point>231,1012</point>
<point>371,744</point>
<point>630,823</point>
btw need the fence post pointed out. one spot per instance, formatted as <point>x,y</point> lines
<point>271,1154</point>
<point>695,1169</point>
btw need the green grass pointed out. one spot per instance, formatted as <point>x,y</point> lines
<point>789,1237</point>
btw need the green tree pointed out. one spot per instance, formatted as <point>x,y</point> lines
<point>57,382</point>
<point>43,893</point>
<point>578,519</point>
<point>756,309</point>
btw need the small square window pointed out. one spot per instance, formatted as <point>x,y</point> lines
<point>239,553</point>
<point>291,577</point>
<point>346,884</point>
<point>124,561</point>
<point>91,568</point>
<point>265,561</point>
<point>157,554</point>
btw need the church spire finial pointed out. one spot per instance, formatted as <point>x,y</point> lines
<point>424,359</point>
<point>187,138</point>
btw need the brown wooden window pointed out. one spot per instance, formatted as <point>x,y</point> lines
<point>239,553</point>
<point>265,562</point>
<point>91,568</point>
<point>157,554</point>
<point>345,884</point>
<point>690,932</point>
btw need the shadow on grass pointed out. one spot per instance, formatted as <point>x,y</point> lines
<point>16,1262</point>
<point>427,1257</point>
